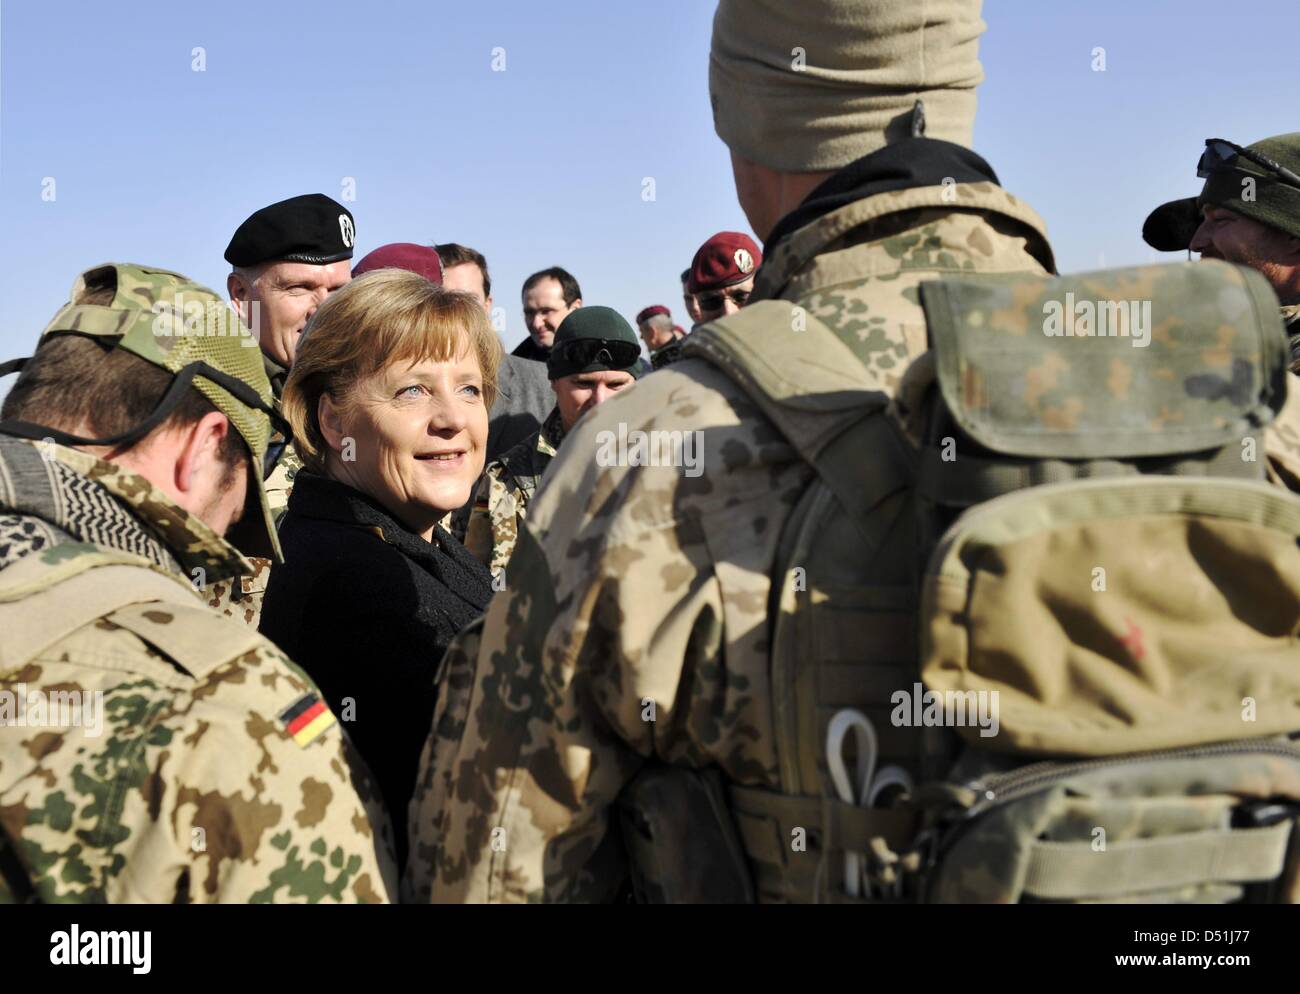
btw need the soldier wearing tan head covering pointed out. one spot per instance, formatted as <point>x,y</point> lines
<point>631,683</point>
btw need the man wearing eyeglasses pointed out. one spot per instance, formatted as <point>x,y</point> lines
<point>722,274</point>
<point>594,355</point>
<point>1248,212</point>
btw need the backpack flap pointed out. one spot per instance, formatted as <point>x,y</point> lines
<point>1152,369</point>
<point>1102,617</point>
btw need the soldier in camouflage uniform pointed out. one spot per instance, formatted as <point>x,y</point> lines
<point>285,258</point>
<point>1248,212</point>
<point>635,627</point>
<point>152,750</point>
<point>594,355</point>
<point>506,487</point>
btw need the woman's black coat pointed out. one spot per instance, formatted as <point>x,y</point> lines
<point>367,607</point>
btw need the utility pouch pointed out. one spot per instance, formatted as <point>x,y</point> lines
<point>681,844</point>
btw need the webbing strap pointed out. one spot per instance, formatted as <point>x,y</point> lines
<point>810,384</point>
<point>968,480</point>
<point>838,825</point>
<point>860,483</point>
<point>1072,870</point>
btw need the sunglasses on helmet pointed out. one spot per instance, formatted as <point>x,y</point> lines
<point>1222,154</point>
<point>614,353</point>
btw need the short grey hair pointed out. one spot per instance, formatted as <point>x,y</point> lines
<point>659,322</point>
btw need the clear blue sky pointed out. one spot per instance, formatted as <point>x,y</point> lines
<point>543,163</point>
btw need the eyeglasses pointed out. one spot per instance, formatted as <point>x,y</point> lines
<point>615,353</point>
<point>716,300</point>
<point>237,388</point>
<point>1221,154</point>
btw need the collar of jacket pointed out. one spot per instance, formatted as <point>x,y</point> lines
<point>277,374</point>
<point>529,349</point>
<point>551,435</point>
<point>900,165</point>
<point>329,500</point>
<point>798,248</point>
<point>150,525</point>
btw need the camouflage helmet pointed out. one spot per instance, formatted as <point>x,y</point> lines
<point>170,321</point>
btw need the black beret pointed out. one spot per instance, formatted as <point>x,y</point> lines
<point>311,228</point>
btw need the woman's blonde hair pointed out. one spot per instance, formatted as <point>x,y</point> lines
<point>386,317</point>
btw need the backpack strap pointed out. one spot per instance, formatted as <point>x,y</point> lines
<point>49,595</point>
<point>1072,871</point>
<point>808,383</point>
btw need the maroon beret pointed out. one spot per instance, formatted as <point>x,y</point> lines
<point>728,257</point>
<point>419,259</point>
<point>650,312</point>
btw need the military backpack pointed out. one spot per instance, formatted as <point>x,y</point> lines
<point>1035,624</point>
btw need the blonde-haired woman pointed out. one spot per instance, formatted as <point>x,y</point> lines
<point>388,398</point>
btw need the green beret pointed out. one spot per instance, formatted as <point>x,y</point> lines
<point>591,340</point>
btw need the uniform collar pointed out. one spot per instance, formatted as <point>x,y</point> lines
<point>155,527</point>
<point>276,373</point>
<point>800,247</point>
<point>551,434</point>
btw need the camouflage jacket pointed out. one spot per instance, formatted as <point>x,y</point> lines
<point>634,623</point>
<point>241,597</point>
<point>202,765</point>
<point>504,490</point>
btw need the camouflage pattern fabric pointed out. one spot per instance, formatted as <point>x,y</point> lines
<point>215,774</point>
<point>241,597</point>
<point>634,625</point>
<point>504,490</point>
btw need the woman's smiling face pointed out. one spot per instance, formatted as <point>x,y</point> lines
<point>413,437</point>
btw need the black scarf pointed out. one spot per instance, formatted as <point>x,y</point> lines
<point>901,165</point>
<point>465,585</point>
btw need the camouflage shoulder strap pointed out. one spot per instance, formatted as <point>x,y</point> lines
<point>809,384</point>
<point>47,596</point>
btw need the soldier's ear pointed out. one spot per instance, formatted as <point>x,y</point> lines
<point>198,451</point>
<point>239,292</point>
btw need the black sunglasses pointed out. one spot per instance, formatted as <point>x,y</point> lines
<point>715,300</point>
<point>1220,154</point>
<point>237,388</point>
<point>615,353</point>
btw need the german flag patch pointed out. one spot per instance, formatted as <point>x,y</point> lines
<point>306,718</point>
